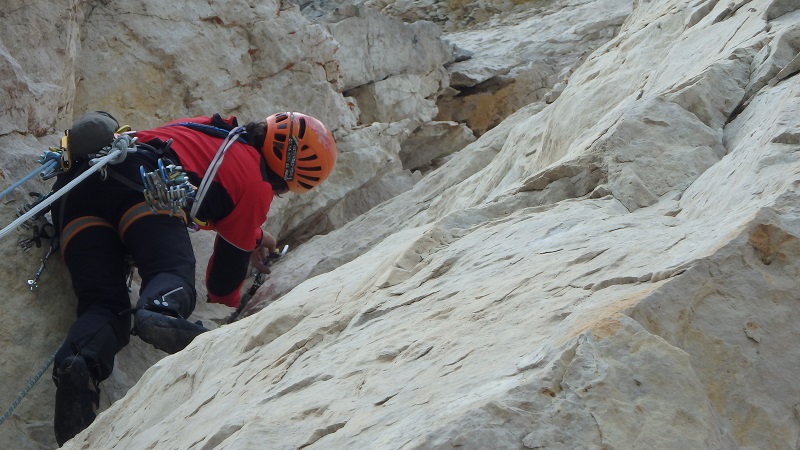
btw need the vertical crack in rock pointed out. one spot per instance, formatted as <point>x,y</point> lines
<point>589,170</point>
<point>508,295</point>
<point>412,261</point>
<point>270,331</point>
<point>298,386</point>
<point>384,400</point>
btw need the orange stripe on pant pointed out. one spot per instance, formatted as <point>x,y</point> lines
<point>140,210</point>
<point>78,225</point>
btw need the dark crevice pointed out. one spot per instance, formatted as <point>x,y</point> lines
<point>491,85</point>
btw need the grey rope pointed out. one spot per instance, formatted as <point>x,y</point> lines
<point>211,172</point>
<point>27,388</point>
<point>56,195</point>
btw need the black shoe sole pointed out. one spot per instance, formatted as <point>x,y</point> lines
<point>166,333</point>
<point>74,411</point>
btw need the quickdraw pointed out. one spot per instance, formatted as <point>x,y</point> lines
<point>167,188</point>
<point>42,229</point>
<point>259,276</point>
<point>33,283</point>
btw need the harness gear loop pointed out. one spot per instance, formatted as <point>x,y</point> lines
<point>167,188</point>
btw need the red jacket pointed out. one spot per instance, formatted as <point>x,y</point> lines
<point>237,203</point>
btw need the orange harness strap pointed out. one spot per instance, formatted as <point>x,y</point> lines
<point>78,225</point>
<point>140,210</point>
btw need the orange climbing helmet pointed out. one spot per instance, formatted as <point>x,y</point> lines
<point>300,149</point>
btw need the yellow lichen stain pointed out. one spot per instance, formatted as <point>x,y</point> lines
<point>766,240</point>
<point>606,322</point>
<point>606,327</point>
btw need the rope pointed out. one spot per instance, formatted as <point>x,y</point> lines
<point>211,172</point>
<point>48,166</point>
<point>27,388</point>
<point>56,195</point>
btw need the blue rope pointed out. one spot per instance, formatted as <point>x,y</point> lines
<point>51,164</point>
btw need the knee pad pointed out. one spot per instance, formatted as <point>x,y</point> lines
<point>168,294</point>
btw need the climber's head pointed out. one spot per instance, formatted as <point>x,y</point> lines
<point>299,149</point>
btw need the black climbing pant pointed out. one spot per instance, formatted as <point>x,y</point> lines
<point>103,221</point>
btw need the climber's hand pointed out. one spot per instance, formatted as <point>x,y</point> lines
<point>259,258</point>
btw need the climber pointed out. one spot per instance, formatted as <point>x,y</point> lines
<point>106,221</point>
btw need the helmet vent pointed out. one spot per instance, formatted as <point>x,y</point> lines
<point>302,131</point>
<point>306,186</point>
<point>311,157</point>
<point>314,180</point>
<point>278,144</point>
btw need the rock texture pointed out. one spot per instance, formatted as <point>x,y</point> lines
<point>521,55</point>
<point>612,266</point>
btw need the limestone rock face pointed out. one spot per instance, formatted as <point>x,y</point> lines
<point>452,16</point>
<point>434,140</point>
<point>392,47</point>
<point>611,263</point>
<point>171,61</point>
<point>38,84</point>
<point>521,54</point>
<point>393,70</point>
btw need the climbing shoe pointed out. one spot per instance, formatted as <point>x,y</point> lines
<point>167,333</point>
<point>77,398</point>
